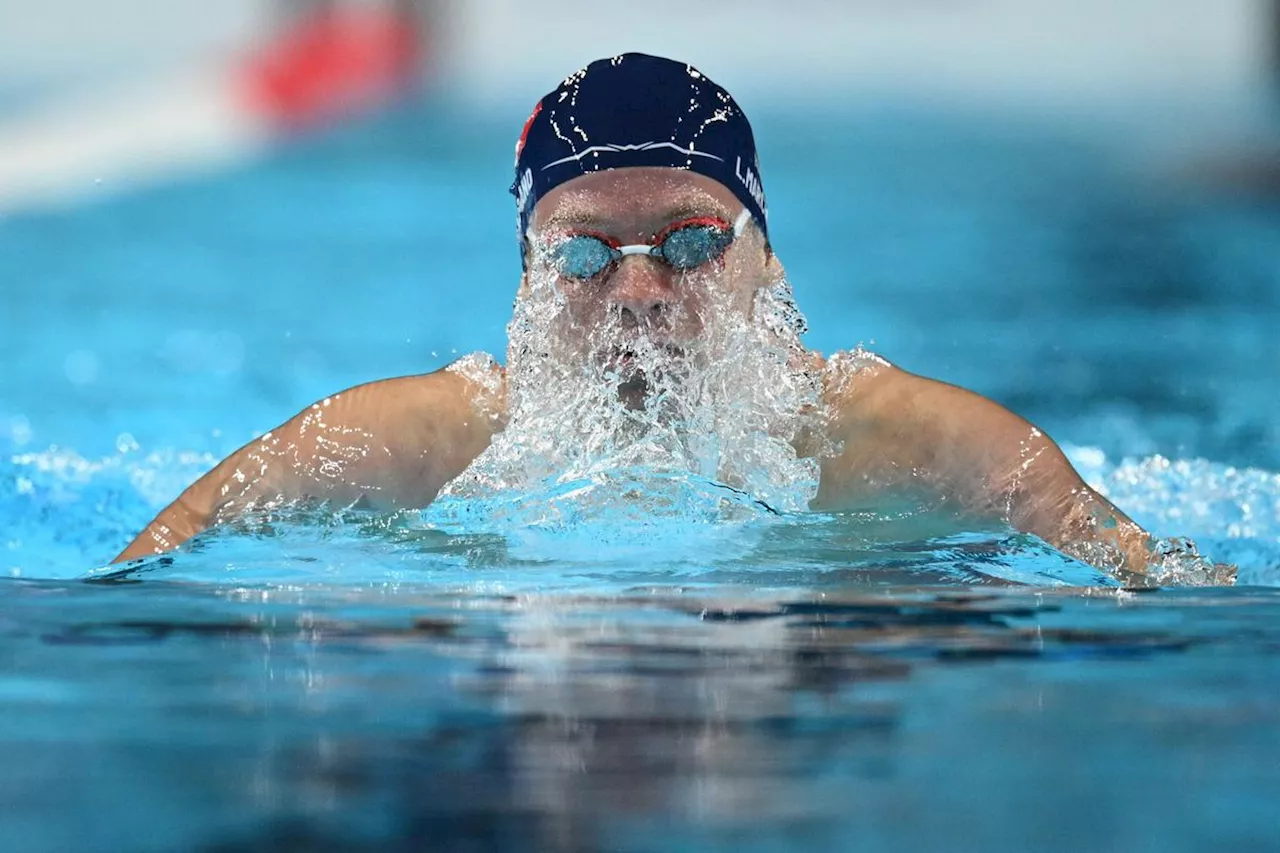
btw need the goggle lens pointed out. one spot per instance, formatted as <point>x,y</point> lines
<point>693,245</point>
<point>583,256</point>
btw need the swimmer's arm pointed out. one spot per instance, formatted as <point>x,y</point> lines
<point>904,433</point>
<point>386,444</point>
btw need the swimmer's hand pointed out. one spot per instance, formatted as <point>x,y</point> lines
<point>898,433</point>
<point>1177,561</point>
<point>384,445</point>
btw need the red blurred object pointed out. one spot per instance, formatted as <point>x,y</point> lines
<point>524,134</point>
<point>332,63</point>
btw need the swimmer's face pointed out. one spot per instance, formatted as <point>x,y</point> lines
<point>639,294</point>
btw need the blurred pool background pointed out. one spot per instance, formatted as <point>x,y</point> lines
<point>1071,208</point>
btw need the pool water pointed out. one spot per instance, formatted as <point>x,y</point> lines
<point>486,677</point>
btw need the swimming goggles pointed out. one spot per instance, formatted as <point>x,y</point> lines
<point>683,245</point>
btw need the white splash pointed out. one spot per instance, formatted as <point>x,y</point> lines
<point>1232,514</point>
<point>595,406</point>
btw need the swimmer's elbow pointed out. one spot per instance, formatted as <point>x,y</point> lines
<point>177,523</point>
<point>1047,498</point>
<point>195,510</point>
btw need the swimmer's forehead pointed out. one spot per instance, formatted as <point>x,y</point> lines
<point>637,198</point>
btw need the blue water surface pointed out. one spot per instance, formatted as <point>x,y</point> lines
<point>457,679</point>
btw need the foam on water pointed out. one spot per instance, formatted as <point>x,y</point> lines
<point>618,517</point>
<point>63,514</point>
<point>1232,513</point>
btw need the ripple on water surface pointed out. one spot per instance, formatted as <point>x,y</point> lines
<point>725,716</point>
<point>531,672</point>
<point>64,515</point>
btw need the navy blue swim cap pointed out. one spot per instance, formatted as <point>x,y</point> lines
<point>636,110</point>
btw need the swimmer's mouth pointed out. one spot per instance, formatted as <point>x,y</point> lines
<point>628,363</point>
<point>633,391</point>
<point>637,372</point>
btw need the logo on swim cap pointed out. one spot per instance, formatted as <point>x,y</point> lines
<point>636,110</point>
<point>524,134</point>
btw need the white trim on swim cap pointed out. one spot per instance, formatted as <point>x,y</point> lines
<point>639,146</point>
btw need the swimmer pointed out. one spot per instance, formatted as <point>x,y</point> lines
<point>654,325</point>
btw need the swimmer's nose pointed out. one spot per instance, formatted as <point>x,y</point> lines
<point>641,290</point>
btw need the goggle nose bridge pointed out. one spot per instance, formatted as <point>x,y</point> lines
<point>739,225</point>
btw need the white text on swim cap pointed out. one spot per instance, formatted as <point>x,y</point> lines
<point>523,189</point>
<point>752,183</point>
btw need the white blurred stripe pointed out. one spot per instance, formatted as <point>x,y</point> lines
<point>47,43</point>
<point>130,136</point>
<point>1020,51</point>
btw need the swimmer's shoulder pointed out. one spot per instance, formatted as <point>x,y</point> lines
<point>889,423</point>
<point>891,411</point>
<point>854,385</point>
<point>389,444</point>
<point>465,399</point>
<point>393,442</point>
<point>891,431</point>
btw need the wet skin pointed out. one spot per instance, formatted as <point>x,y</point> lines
<point>888,433</point>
